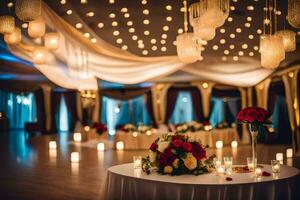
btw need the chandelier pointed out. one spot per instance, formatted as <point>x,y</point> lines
<point>293,15</point>
<point>206,15</point>
<point>7,24</point>
<point>14,37</point>
<point>51,41</point>
<point>289,39</point>
<point>272,48</point>
<point>36,28</point>
<point>28,10</point>
<point>188,50</point>
<point>39,55</point>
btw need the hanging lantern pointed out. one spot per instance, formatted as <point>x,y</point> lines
<point>52,41</point>
<point>7,24</point>
<point>40,55</point>
<point>289,39</point>
<point>205,33</point>
<point>28,10</point>
<point>293,15</point>
<point>271,50</point>
<point>14,37</point>
<point>36,28</point>
<point>187,50</point>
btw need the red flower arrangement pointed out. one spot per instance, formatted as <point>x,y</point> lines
<point>177,154</point>
<point>253,115</point>
<point>100,128</point>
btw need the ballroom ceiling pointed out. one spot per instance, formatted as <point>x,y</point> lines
<point>149,28</point>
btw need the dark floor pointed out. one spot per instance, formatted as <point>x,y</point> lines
<point>28,170</point>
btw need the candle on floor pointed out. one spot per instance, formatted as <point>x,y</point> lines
<point>74,157</point>
<point>52,145</point>
<point>101,146</point>
<point>219,144</point>
<point>137,162</point>
<point>234,144</point>
<point>77,137</point>
<point>275,166</point>
<point>120,145</point>
<point>279,156</point>
<point>289,153</point>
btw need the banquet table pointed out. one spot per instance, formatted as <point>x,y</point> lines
<point>125,182</point>
<point>143,141</point>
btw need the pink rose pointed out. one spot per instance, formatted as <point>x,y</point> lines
<point>187,146</point>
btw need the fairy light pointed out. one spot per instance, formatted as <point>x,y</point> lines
<point>114,23</point>
<point>163,49</point>
<point>146,12</point>
<point>119,40</point>
<point>116,33</point>
<point>100,25</point>
<point>168,7</point>
<point>222,30</point>
<point>153,41</point>
<point>129,23</point>
<point>169,18</point>
<point>112,15</point>
<point>78,25</point>
<point>146,21</point>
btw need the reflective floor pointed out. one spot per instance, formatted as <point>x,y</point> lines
<point>29,170</point>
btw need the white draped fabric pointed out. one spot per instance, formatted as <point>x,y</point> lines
<point>123,182</point>
<point>78,62</point>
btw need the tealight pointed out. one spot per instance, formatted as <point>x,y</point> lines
<point>258,172</point>
<point>221,170</point>
<point>137,162</point>
<point>77,137</point>
<point>101,146</point>
<point>120,145</point>
<point>219,144</point>
<point>275,166</point>
<point>289,153</point>
<point>52,145</point>
<point>135,134</point>
<point>234,144</point>
<point>251,164</point>
<point>74,157</point>
<point>148,132</point>
<point>279,156</point>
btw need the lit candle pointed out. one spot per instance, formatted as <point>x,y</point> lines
<point>77,137</point>
<point>135,134</point>
<point>120,145</point>
<point>74,157</point>
<point>258,172</point>
<point>101,146</point>
<point>137,162</point>
<point>289,153</point>
<point>148,132</point>
<point>275,166</point>
<point>251,164</point>
<point>219,144</point>
<point>279,156</point>
<point>52,145</point>
<point>221,170</point>
<point>234,144</point>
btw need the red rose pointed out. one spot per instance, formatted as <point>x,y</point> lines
<point>206,123</point>
<point>177,143</point>
<point>167,157</point>
<point>179,137</point>
<point>241,116</point>
<point>198,152</point>
<point>187,146</point>
<point>250,116</point>
<point>153,146</point>
<point>260,116</point>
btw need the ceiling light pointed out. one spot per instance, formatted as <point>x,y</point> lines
<point>114,23</point>
<point>232,35</point>
<point>78,25</point>
<point>259,31</point>
<point>63,2</point>
<point>226,52</point>
<point>145,52</point>
<point>175,43</point>
<point>241,53</point>
<point>163,41</point>
<point>255,48</point>
<point>112,15</point>
<point>146,12</point>
<point>250,37</point>
<point>153,41</point>
<point>232,8</point>
<point>180,30</point>
<point>222,41</point>
<point>165,28</point>
<point>90,14</point>
<point>251,53</point>
<point>131,30</point>
<point>222,30</point>
<point>229,19</point>
<point>124,10</point>
<point>124,47</point>
<point>134,37</point>
<point>215,47</point>
<point>154,48</point>
<point>83,1</point>
<point>140,42</point>
<point>169,18</point>
<point>250,8</point>
<point>224,58</point>
<point>119,40</point>
<point>100,25</point>
<point>238,30</point>
<point>163,49</point>
<point>146,32</point>
<point>235,58</point>
<point>144,2</point>
<point>164,36</point>
<point>249,19</point>
<point>87,35</point>
<point>10,4</point>
<point>93,40</point>
<point>146,21</point>
<point>141,45</point>
<point>231,46</point>
<point>69,12</point>
<point>244,46</point>
<point>116,33</point>
<point>168,7</point>
<point>129,23</point>
<point>25,25</point>
<point>111,1</point>
<point>247,24</point>
<point>126,15</point>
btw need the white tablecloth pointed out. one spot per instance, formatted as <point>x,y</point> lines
<point>123,182</point>
<point>143,141</point>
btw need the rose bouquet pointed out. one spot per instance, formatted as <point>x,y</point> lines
<point>177,154</point>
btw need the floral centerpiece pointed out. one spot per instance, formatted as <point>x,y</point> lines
<point>192,126</point>
<point>143,129</point>
<point>256,118</point>
<point>100,128</point>
<point>177,154</point>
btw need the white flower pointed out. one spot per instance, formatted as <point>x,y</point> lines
<point>162,145</point>
<point>152,156</point>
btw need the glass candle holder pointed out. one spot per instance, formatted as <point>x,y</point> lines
<point>275,166</point>
<point>289,153</point>
<point>137,162</point>
<point>251,164</point>
<point>220,170</point>
<point>217,162</point>
<point>258,171</point>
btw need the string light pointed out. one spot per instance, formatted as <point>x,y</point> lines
<point>100,25</point>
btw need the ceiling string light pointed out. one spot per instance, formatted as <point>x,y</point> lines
<point>187,50</point>
<point>7,24</point>
<point>14,37</point>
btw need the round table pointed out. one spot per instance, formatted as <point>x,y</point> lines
<point>124,182</point>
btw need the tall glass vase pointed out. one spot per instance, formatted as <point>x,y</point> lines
<point>254,132</point>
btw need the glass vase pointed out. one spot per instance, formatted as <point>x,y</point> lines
<point>254,132</point>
